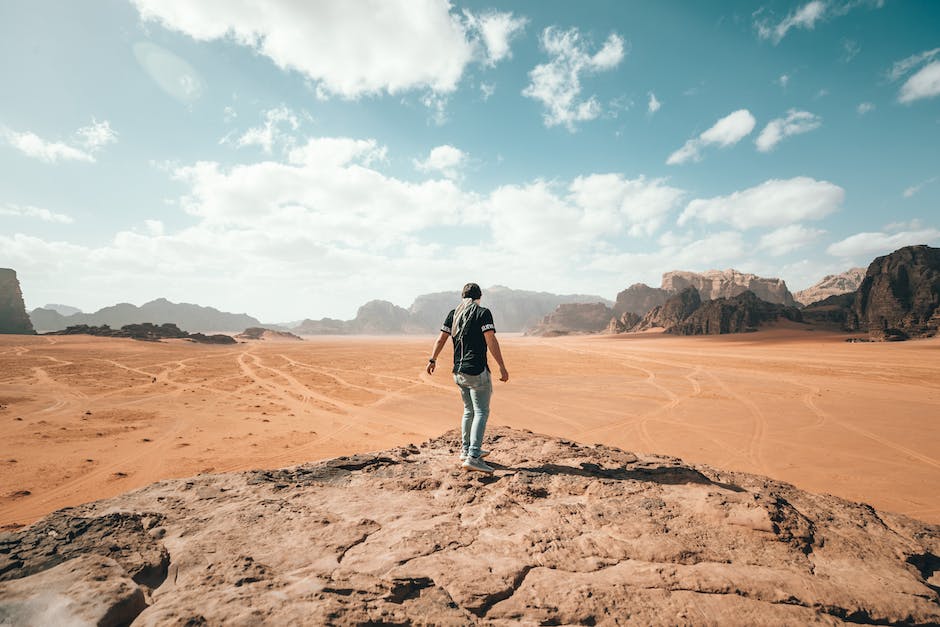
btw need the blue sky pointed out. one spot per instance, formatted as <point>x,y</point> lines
<point>297,159</point>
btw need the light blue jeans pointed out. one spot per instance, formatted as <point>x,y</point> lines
<point>476,390</point>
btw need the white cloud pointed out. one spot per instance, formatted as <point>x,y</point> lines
<point>727,131</point>
<point>850,49</point>
<point>445,159</point>
<point>772,203</point>
<point>487,89</point>
<point>913,189</point>
<point>787,239</point>
<point>496,30</point>
<point>88,141</point>
<point>29,211</point>
<point>904,66</point>
<point>654,105</point>
<point>804,17</point>
<point>350,49</point>
<point>881,243</point>
<point>777,130</point>
<point>865,107</point>
<point>784,80</point>
<point>557,84</point>
<point>270,133</point>
<point>923,84</point>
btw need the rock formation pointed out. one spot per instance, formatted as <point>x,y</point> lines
<point>261,333</point>
<point>184,315</point>
<point>738,314</point>
<point>623,323</point>
<point>574,318</point>
<point>676,309</point>
<point>832,312</point>
<point>563,533</point>
<point>831,285</point>
<point>639,298</point>
<point>65,310</point>
<point>727,283</point>
<point>900,295</point>
<point>146,331</point>
<point>13,318</point>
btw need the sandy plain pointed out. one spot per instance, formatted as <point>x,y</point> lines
<point>85,418</point>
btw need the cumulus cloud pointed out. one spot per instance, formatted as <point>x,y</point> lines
<point>557,84</point>
<point>882,242</point>
<point>271,132</point>
<point>804,17</point>
<point>772,203</point>
<point>796,123</point>
<point>787,239</point>
<point>28,211</point>
<point>653,105</point>
<point>496,30</point>
<point>904,66</point>
<point>350,49</point>
<point>784,80</point>
<point>865,107</point>
<point>727,131</point>
<point>87,141</point>
<point>446,160</point>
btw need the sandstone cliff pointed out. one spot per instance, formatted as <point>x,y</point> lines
<point>13,317</point>
<point>831,285</point>
<point>900,295</point>
<point>727,283</point>
<point>676,309</point>
<point>738,314</point>
<point>563,533</point>
<point>622,323</point>
<point>262,333</point>
<point>574,318</point>
<point>639,298</point>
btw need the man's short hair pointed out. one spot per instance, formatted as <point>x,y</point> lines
<point>471,290</point>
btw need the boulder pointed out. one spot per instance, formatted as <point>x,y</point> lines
<point>13,317</point>
<point>900,295</point>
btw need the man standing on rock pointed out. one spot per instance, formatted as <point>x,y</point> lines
<point>472,330</point>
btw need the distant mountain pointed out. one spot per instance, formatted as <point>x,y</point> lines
<point>574,318</point>
<point>687,314</point>
<point>185,315</point>
<point>13,318</point>
<point>65,310</point>
<point>513,311</point>
<point>831,285</point>
<point>714,284</point>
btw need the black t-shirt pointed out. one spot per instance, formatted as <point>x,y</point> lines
<point>470,350</point>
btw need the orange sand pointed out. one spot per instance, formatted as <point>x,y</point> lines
<point>85,418</point>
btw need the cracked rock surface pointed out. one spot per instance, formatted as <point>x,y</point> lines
<point>563,533</point>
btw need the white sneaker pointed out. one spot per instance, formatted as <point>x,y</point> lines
<point>465,456</point>
<point>477,464</point>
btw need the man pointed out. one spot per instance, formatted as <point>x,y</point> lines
<point>472,330</point>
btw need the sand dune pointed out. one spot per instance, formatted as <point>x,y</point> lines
<point>87,418</point>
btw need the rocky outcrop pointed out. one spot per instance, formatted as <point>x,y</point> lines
<point>672,312</point>
<point>571,318</point>
<point>739,314</point>
<point>147,332</point>
<point>184,315</point>
<point>900,295</point>
<point>262,333</point>
<point>13,318</point>
<point>831,285</point>
<point>727,283</point>
<point>639,298</point>
<point>832,312</point>
<point>622,323</point>
<point>65,310</point>
<point>377,317</point>
<point>563,533</point>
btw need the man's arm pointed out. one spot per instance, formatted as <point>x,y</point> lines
<point>493,345</point>
<point>438,347</point>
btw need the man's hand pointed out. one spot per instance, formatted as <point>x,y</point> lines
<point>503,374</point>
<point>430,368</point>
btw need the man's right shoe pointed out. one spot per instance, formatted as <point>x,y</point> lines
<point>477,464</point>
<point>483,453</point>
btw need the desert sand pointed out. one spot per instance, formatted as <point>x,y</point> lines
<point>88,418</point>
